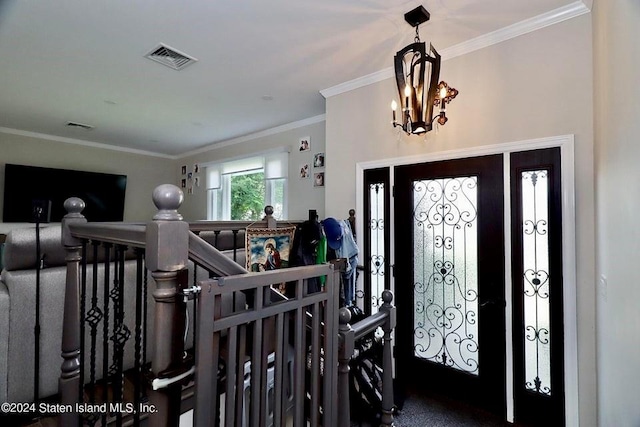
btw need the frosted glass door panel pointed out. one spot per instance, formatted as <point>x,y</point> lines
<point>445,227</point>
<point>535,252</point>
<point>377,238</point>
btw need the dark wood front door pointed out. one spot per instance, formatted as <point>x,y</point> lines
<point>450,280</point>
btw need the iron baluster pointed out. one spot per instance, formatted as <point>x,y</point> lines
<point>93,317</point>
<point>105,328</point>
<point>83,295</point>
<point>145,287</point>
<point>138,337</point>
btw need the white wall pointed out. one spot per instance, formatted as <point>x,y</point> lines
<point>144,173</point>
<point>536,85</point>
<point>617,142</point>
<point>302,194</point>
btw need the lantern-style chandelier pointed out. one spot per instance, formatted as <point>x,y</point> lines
<point>417,101</point>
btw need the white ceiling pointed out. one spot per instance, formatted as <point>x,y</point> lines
<point>83,61</point>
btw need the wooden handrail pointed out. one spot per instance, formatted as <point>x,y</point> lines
<point>208,257</point>
<point>200,226</point>
<point>117,233</point>
<point>369,324</point>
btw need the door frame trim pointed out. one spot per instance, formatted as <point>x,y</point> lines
<point>566,144</point>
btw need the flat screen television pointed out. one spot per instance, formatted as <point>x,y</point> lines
<point>26,186</point>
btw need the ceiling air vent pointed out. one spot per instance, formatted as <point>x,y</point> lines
<point>79,125</point>
<point>170,57</point>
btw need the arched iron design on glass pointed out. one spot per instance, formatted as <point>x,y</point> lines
<point>537,331</point>
<point>446,272</point>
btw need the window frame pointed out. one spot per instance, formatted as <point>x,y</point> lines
<point>222,193</point>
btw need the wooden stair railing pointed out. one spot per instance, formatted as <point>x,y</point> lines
<point>163,245</point>
<point>164,248</point>
<point>349,335</point>
<point>268,351</point>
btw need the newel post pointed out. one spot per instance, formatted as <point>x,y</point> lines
<point>69,382</point>
<point>345,352</point>
<point>167,253</point>
<point>387,360</point>
<point>268,217</point>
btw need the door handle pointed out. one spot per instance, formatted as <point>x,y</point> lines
<point>493,302</point>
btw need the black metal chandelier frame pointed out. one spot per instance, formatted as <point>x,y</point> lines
<point>410,65</point>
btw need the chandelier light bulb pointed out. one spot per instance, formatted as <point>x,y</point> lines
<point>407,93</point>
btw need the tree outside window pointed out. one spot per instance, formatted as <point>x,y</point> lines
<point>240,189</point>
<point>247,196</point>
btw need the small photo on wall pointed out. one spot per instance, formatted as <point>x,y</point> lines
<point>305,144</point>
<point>318,160</point>
<point>318,179</point>
<point>304,171</point>
<point>184,169</point>
<point>183,183</point>
<point>196,168</point>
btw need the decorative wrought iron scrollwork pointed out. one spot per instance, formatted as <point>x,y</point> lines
<point>94,315</point>
<point>115,292</point>
<point>377,260</point>
<point>121,335</point>
<point>537,386</point>
<point>445,272</point>
<point>536,280</point>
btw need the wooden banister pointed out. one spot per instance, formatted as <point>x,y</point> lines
<point>349,335</point>
<point>167,253</point>
<point>69,383</point>
<point>164,247</point>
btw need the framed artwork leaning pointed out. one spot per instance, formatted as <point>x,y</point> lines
<point>268,248</point>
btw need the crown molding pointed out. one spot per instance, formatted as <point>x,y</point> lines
<point>376,77</point>
<point>552,17</point>
<point>261,134</point>
<point>530,25</point>
<point>83,142</point>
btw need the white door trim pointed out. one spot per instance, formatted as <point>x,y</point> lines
<point>566,144</point>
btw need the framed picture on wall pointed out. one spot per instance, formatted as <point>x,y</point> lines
<point>318,160</point>
<point>318,179</point>
<point>304,171</point>
<point>304,144</point>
